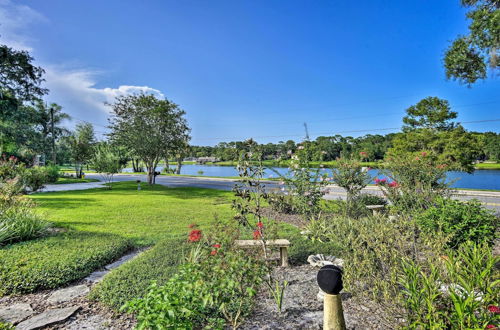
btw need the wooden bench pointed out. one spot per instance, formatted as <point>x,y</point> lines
<point>375,208</point>
<point>283,244</point>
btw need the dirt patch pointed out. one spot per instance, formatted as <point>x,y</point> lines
<point>293,219</point>
<point>302,309</point>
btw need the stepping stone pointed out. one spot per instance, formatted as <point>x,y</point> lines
<point>67,294</point>
<point>96,277</point>
<point>121,261</point>
<point>15,313</point>
<point>48,317</point>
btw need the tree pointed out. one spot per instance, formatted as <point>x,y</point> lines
<point>467,59</point>
<point>430,113</point>
<point>107,161</point>
<point>47,121</point>
<point>18,76</point>
<point>150,128</point>
<point>81,143</point>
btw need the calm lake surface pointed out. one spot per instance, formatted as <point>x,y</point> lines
<point>480,179</point>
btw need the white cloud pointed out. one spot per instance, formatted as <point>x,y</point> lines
<point>74,89</point>
<point>14,21</point>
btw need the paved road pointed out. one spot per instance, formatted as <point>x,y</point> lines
<point>489,199</point>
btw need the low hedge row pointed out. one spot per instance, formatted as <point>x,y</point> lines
<point>132,279</point>
<point>54,261</point>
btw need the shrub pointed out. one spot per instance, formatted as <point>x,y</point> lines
<point>461,221</point>
<point>133,279</point>
<point>54,261</point>
<point>34,178</point>
<point>301,248</point>
<point>19,220</point>
<point>52,173</point>
<point>369,199</point>
<point>283,203</point>
<point>413,182</point>
<point>217,288</point>
<point>457,292</point>
<point>305,183</point>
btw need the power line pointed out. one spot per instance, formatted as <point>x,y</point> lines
<point>350,131</point>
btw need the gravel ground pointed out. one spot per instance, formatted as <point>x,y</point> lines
<point>302,309</point>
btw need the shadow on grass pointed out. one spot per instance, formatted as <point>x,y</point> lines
<point>65,202</point>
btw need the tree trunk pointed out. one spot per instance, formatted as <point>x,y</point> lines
<point>167,165</point>
<point>179,164</point>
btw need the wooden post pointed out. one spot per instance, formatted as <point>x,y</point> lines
<point>333,314</point>
<point>284,256</point>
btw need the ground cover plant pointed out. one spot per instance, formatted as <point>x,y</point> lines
<point>54,261</point>
<point>133,279</point>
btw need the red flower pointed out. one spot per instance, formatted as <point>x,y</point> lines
<point>194,235</point>
<point>380,181</point>
<point>491,326</point>
<point>217,246</point>
<point>213,252</point>
<point>417,158</point>
<point>192,225</point>
<point>363,154</point>
<point>260,224</point>
<point>256,234</point>
<point>494,309</point>
<point>393,184</point>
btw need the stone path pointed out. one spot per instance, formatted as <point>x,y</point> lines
<point>50,308</point>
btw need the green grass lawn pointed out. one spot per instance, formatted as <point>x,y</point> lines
<point>74,180</point>
<point>487,166</point>
<point>103,224</point>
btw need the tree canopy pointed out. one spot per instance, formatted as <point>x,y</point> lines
<point>430,113</point>
<point>468,58</point>
<point>148,127</point>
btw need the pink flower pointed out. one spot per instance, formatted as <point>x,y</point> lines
<point>423,154</point>
<point>213,252</point>
<point>363,154</point>
<point>393,184</point>
<point>417,158</point>
<point>494,309</point>
<point>217,246</point>
<point>260,224</point>
<point>491,326</point>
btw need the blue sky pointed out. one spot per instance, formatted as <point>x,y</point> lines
<point>257,69</point>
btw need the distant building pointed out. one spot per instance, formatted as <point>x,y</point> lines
<point>203,160</point>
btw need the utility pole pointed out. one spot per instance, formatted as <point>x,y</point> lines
<point>307,132</point>
<point>53,136</point>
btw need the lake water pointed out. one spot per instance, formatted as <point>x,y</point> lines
<point>480,179</point>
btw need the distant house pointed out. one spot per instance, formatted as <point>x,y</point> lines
<point>203,160</point>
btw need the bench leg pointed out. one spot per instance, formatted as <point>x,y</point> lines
<point>284,256</point>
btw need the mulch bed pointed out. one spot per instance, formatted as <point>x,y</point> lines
<point>302,309</point>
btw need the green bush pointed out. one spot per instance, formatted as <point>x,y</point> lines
<point>19,220</point>
<point>301,248</point>
<point>34,178</point>
<point>453,293</point>
<point>210,291</point>
<point>461,221</point>
<point>133,279</point>
<point>54,261</point>
<point>52,173</point>
<point>369,199</point>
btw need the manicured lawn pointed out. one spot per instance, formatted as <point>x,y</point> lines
<point>74,180</point>
<point>144,216</point>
